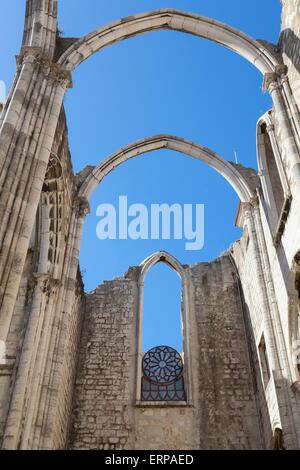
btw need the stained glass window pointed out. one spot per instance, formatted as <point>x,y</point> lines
<point>162,375</point>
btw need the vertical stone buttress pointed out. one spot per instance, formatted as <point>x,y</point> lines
<point>28,125</point>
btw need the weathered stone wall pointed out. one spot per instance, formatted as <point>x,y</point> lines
<point>227,406</point>
<point>223,413</point>
<point>104,390</point>
<point>14,342</point>
<point>166,428</point>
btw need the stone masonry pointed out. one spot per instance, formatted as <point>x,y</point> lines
<point>224,410</point>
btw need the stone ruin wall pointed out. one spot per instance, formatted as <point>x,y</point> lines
<point>224,412</point>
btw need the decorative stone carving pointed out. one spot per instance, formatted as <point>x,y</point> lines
<point>270,79</point>
<point>47,283</point>
<point>51,70</point>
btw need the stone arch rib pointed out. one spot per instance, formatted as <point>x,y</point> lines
<point>177,144</point>
<point>161,257</point>
<point>171,19</point>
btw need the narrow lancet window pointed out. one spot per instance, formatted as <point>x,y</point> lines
<point>162,365</point>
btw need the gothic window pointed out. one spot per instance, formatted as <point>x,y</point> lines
<point>264,363</point>
<point>52,217</point>
<point>274,186</point>
<point>272,171</point>
<point>162,378</point>
<point>278,442</point>
<point>163,372</point>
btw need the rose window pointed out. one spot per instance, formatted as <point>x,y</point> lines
<point>162,375</point>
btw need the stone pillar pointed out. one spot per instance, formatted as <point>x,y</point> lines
<point>249,221</point>
<point>38,365</point>
<point>26,138</point>
<point>17,412</point>
<point>280,167</point>
<point>292,157</point>
<point>290,99</point>
<point>44,438</point>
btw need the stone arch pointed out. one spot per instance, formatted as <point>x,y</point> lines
<point>253,51</point>
<point>145,266</point>
<point>161,257</point>
<point>177,144</point>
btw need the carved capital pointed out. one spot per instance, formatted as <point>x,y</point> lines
<point>51,70</point>
<point>46,282</point>
<point>246,210</point>
<point>270,79</point>
<point>271,82</point>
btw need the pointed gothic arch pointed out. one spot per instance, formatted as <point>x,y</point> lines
<point>177,144</point>
<point>161,257</point>
<point>170,19</point>
<point>145,266</point>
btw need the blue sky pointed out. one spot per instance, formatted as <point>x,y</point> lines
<point>163,82</point>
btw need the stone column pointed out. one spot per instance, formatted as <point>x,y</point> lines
<point>38,365</point>
<point>48,405</point>
<point>26,138</point>
<point>280,167</point>
<point>249,217</point>
<point>292,157</point>
<point>290,99</point>
<point>17,412</point>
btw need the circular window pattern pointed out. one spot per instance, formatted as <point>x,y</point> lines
<point>162,364</point>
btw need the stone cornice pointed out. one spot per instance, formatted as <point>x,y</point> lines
<point>51,70</point>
